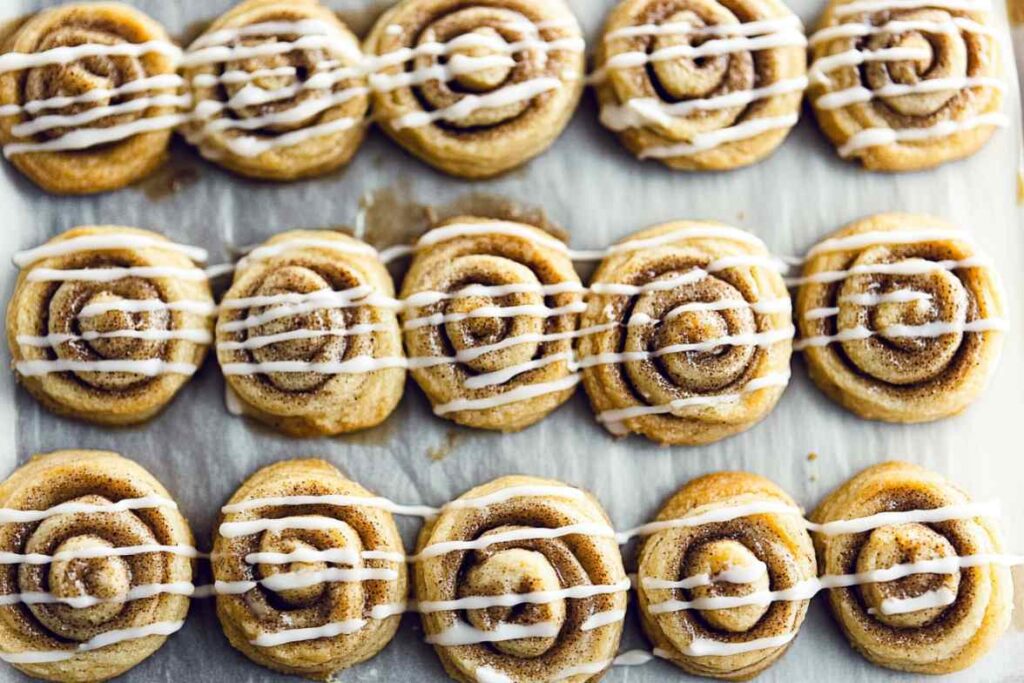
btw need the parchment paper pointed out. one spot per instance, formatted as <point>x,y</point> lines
<point>593,189</point>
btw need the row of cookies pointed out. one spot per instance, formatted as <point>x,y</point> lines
<point>90,93</point>
<point>519,579</point>
<point>684,334</point>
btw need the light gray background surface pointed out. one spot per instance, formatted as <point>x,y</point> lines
<point>592,188</point>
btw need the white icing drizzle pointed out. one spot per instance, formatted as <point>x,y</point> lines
<point>51,121</point>
<point>531,310</point>
<point>331,630</point>
<point>305,579</point>
<point>905,267</point>
<point>87,243</point>
<point>710,48</point>
<point>18,61</point>
<point>98,552</point>
<point>925,331</point>
<point>508,229</point>
<point>266,340</point>
<point>887,237</point>
<point>114,274</point>
<point>266,28</point>
<point>336,555</point>
<point>203,308</point>
<point>600,619</point>
<point>723,514</point>
<point>706,647</point>
<point>11,516</point>
<point>469,104</point>
<point>872,137</point>
<point>84,138</point>
<point>461,633</point>
<point>513,599</point>
<point>738,575</point>
<point>56,339</point>
<point>142,592</point>
<point>638,657</point>
<point>158,82</point>
<point>445,547</point>
<point>151,367</point>
<point>160,628</point>
<point>268,251</point>
<point>702,142</point>
<point>942,597</point>
<point>638,112</point>
<point>522,393</point>
<point>952,25</point>
<point>682,28</point>
<point>756,339</point>
<point>868,300</point>
<point>859,94</point>
<point>337,500</point>
<point>931,516</point>
<point>512,492</point>
<point>613,419</point>
<point>807,589</point>
<point>249,146</point>
<point>821,67</point>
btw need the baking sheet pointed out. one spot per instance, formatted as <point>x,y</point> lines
<point>588,185</point>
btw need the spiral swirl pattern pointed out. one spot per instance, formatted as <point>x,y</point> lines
<point>89,478</point>
<point>489,320</point>
<point>659,302</point>
<point>110,349</point>
<point>701,84</point>
<point>569,648</point>
<point>934,640</point>
<point>903,89</point>
<point>776,542</point>
<point>321,570</point>
<point>488,84</point>
<point>900,318</point>
<point>101,132</point>
<point>273,114</point>
<point>307,335</point>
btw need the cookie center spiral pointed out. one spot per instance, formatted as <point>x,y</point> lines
<point>904,543</point>
<point>946,58</point>
<point>694,316</point>
<point>82,75</point>
<point>514,571</point>
<point>719,556</point>
<point>917,321</point>
<point>306,331</point>
<point>105,578</point>
<point>472,322</point>
<point>304,593</point>
<point>466,61</point>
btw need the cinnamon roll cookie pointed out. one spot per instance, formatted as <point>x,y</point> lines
<point>97,566</point>
<point>521,579</point>
<point>310,570</point>
<point>490,314</point>
<point>476,87</point>
<point>701,84</point>
<point>88,97</point>
<point>687,334</point>
<point>108,323</point>
<point>278,90</point>
<point>905,86</point>
<point>935,593</point>
<point>307,336</point>
<point>710,563</point>
<point>900,318</point>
